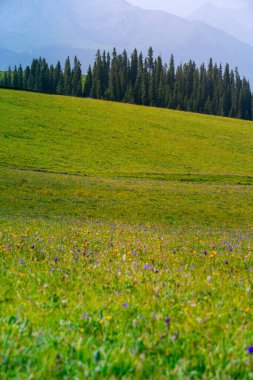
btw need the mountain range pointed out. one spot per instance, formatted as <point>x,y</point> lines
<point>238,22</point>
<point>56,29</point>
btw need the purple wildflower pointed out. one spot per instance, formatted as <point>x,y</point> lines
<point>125,305</point>
<point>167,320</point>
<point>205,253</point>
<point>175,337</point>
<point>250,350</point>
<point>56,259</point>
<point>147,266</point>
<point>85,315</point>
<point>21,262</point>
<point>32,247</point>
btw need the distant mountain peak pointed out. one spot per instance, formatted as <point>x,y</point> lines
<point>236,21</point>
<point>58,27</point>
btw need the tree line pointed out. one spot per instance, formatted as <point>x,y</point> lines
<point>44,78</point>
<point>143,81</point>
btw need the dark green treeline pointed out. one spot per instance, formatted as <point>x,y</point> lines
<point>40,77</point>
<point>144,81</point>
<point>148,81</point>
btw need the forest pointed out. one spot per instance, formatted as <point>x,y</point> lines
<point>141,80</point>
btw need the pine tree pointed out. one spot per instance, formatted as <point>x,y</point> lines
<point>88,84</point>
<point>124,75</point>
<point>98,90</point>
<point>150,60</point>
<point>134,67</point>
<point>58,79</point>
<point>138,83</point>
<point>145,85</point>
<point>77,79</point>
<point>129,95</point>
<point>20,78</point>
<point>114,80</point>
<point>15,78</point>
<point>5,82</point>
<point>105,71</point>
<point>245,101</point>
<point>51,80</point>
<point>67,78</point>
<point>60,85</point>
<point>27,72</point>
<point>226,98</point>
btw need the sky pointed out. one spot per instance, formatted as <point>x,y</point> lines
<point>184,7</point>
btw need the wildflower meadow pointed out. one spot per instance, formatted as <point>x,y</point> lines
<point>126,242</point>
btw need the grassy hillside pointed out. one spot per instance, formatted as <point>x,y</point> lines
<point>68,135</point>
<point>125,242</point>
<point>96,159</point>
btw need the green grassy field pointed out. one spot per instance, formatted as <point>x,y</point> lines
<point>125,241</point>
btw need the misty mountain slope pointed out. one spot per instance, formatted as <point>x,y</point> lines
<point>11,58</point>
<point>237,22</point>
<point>82,26</point>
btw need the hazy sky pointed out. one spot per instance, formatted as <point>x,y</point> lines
<point>184,7</point>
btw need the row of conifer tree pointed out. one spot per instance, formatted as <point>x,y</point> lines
<point>144,81</point>
<point>40,77</point>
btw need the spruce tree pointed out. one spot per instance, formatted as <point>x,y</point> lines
<point>138,83</point>
<point>15,78</point>
<point>5,82</point>
<point>226,98</point>
<point>114,80</point>
<point>20,78</point>
<point>145,85</point>
<point>134,67</point>
<point>88,84</point>
<point>27,72</point>
<point>67,78</point>
<point>77,79</point>
<point>150,60</point>
<point>124,75</point>
<point>98,89</point>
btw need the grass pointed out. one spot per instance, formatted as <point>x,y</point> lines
<point>54,196</point>
<point>125,242</point>
<point>88,137</point>
<point>94,300</point>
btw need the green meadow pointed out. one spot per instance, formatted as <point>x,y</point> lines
<point>126,244</point>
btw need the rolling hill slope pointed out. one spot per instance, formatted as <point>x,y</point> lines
<point>125,242</point>
<point>91,137</point>
<point>69,157</point>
